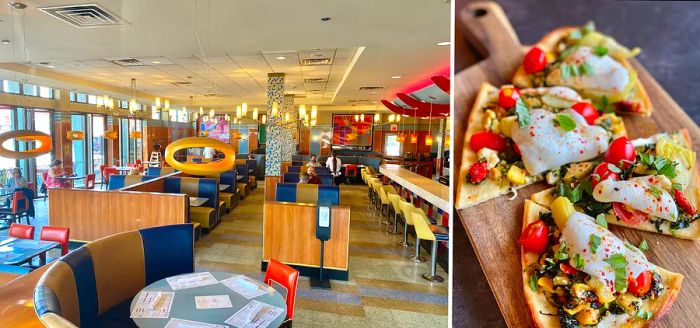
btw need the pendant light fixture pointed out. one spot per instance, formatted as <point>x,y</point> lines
<point>274,110</point>
<point>377,117</point>
<point>244,109</point>
<point>362,117</point>
<point>166,105</point>
<point>132,102</point>
<point>357,118</point>
<point>201,111</point>
<point>255,113</point>
<point>414,136</point>
<point>314,113</point>
<point>211,113</point>
<point>429,136</point>
<point>302,111</point>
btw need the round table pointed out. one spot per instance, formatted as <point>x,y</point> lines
<point>184,307</point>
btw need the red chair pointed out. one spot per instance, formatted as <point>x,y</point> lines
<point>57,234</point>
<point>18,208</point>
<point>21,231</point>
<point>109,171</point>
<point>90,181</point>
<point>102,172</point>
<point>350,172</point>
<point>137,162</point>
<point>285,276</point>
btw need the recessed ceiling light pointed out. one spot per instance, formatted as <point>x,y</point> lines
<point>5,41</point>
<point>281,58</point>
<point>444,43</point>
<point>156,62</point>
<point>316,55</point>
<point>396,77</point>
<point>50,66</point>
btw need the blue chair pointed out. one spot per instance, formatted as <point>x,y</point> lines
<point>121,181</point>
<point>326,179</point>
<point>93,286</point>
<point>206,215</point>
<point>291,177</point>
<point>323,170</point>
<point>294,169</point>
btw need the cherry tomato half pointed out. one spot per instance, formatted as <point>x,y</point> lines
<point>588,111</point>
<point>567,268</point>
<point>602,173</point>
<point>508,96</point>
<point>517,150</point>
<point>639,286</point>
<point>621,149</point>
<point>487,139</point>
<point>684,203</point>
<point>535,237</point>
<point>535,60</point>
<point>628,214</point>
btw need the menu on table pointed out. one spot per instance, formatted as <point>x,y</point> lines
<point>181,323</point>
<point>255,314</point>
<point>197,279</point>
<point>153,305</point>
<point>245,286</point>
<point>212,302</point>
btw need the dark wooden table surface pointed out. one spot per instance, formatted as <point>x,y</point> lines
<point>667,32</point>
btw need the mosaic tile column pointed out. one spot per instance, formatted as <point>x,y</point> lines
<point>274,135</point>
<point>291,139</point>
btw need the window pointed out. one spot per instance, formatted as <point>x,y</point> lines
<point>173,115</point>
<point>391,146</point>
<point>182,116</point>
<point>45,92</point>
<point>155,113</point>
<point>81,98</point>
<point>30,90</point>
<point>72,96</point>
<point>10,86</point>
<point>92,99</point>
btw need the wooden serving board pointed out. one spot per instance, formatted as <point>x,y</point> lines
<point>493,227</point>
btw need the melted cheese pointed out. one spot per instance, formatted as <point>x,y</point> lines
<point>636,193</point>
<point>577,235</point>
<point>607,74</point>
<point>544,146</point>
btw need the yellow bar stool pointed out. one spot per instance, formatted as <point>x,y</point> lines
<point>394,200</point>
<point>374,193</point>
<point>406,212</point>
<point>384,199</point>
<point>434,233</point>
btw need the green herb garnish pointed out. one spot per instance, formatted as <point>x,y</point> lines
<point>677,186</point>
<point>561,253</point>
<point>644,245</point>
<point>588,28</point>
<point>579,262</point>
<point>522,112</point>
<point>565,122</point>
<point>533,282</point>
<point>613,168</point>
<point>644,315</point>
<point>586,69</point>
<point>565,73</point>
<point>604,105</point>
<point>618,263</point>
<point>600,51</point>
<point>595,242</point>
<point>600,220</point>
<point>654,191</point>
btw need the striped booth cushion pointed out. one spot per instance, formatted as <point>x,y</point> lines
<point>326,179</point>
<point>93,285</point>
<point>207,215</point>
<point>121,181</point>
<point>160,171</point>
<point>307,193</point>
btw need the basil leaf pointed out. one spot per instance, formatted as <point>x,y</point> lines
<point>586,69</point>
<point>565,73</point>
<point>600,220</point>
<point>604,105</point>
<point>595,242</point>
<point>600,51</point>
<point>533,282</point>
<point>618,263</point>
<point>574,70</point>
<point>654,191</point>
<point>614,168</point>
<point>677,186</point>
<point>561,253</point>
<point>644,245</point>
<point>565,122</point>
<point>522,112</point>
<point>588,28</point>
<point>579,262</point>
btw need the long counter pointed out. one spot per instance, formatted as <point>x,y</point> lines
<point>432,191</point>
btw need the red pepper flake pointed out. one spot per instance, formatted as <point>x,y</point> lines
<point>651,179</point>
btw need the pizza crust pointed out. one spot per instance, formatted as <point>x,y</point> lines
<point>547,44</point>
<point>537,301</point>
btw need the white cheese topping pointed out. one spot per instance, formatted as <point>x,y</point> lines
<point>577,235</point>
<point>545,146</point>
<point>607,74</point>
<point>638,194</point>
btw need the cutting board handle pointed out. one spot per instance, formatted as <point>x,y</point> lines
<point>489,30</point>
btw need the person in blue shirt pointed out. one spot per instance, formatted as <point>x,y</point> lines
<point>15,181</point>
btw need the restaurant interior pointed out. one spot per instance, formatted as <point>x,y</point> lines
<point>203,163</point>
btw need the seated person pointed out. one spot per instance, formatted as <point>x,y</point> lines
<point>304,178</point>
<point>16,181</point>
<point>56,171</point>
<point>313,162</point>
<point>313,177</point>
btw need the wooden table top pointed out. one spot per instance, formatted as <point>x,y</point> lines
<point>16,301</point>
<point>432,191</point>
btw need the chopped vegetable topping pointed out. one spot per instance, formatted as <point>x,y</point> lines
<point>579,262</point>
<point>561,253</point>
<point>533,282</point>
<point>600,51</point>
<point>565,122</point>
<point>618,262</point>
<point>644,245</point>
<point>478,172</point>
<point>522,112</point>
<point>600,220</point>
<point>595,242</point>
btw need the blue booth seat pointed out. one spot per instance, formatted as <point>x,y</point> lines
<point>307,193</point>
<point>243,183</point>
<point>121,181</point>
<point>295,169</point>
<point>326,179</point>
<point>227,197</point>
<point>93,286</point>
<point>160,171</point>
<point>206,215</point>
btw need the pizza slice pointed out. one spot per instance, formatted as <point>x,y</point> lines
<point>577,273</point>
<point>515,137</point>
<point>649,184</point>
<point>592,63</point>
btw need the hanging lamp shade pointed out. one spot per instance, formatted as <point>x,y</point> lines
<point>357,118</point>
<point>111,135</point>
<point>414,138</point>
<point>275,109</point>
<point>244,109</point>
<point>447,142</point>
<point>135,135</point>
<point>239,112</point>
<point>255,113</point>
<point>377,117</point>
<point>362,117</point>
<point>264,119</point>
<point>314,111</point>
<point>429,139</point>
<point>74,135</point>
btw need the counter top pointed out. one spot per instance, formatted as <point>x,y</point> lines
<point>432,191</point>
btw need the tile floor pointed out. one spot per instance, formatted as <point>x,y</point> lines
<point>384,289</point>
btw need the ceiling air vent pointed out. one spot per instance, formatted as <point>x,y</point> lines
<point>181,83</point>
<point>210,94</point>
<point>355,101</point>
<point>126,62</point>
<point>370,88</point>
<point>316,61</point>
<point>84,16</point>
<point>316,80</point>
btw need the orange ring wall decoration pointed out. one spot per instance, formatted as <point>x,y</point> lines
<point>200,169</point>
<point>74,135</point>
<point>26,136</point>
<point>111,135</point>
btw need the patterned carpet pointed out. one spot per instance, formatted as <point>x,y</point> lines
<point>384,289</point>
